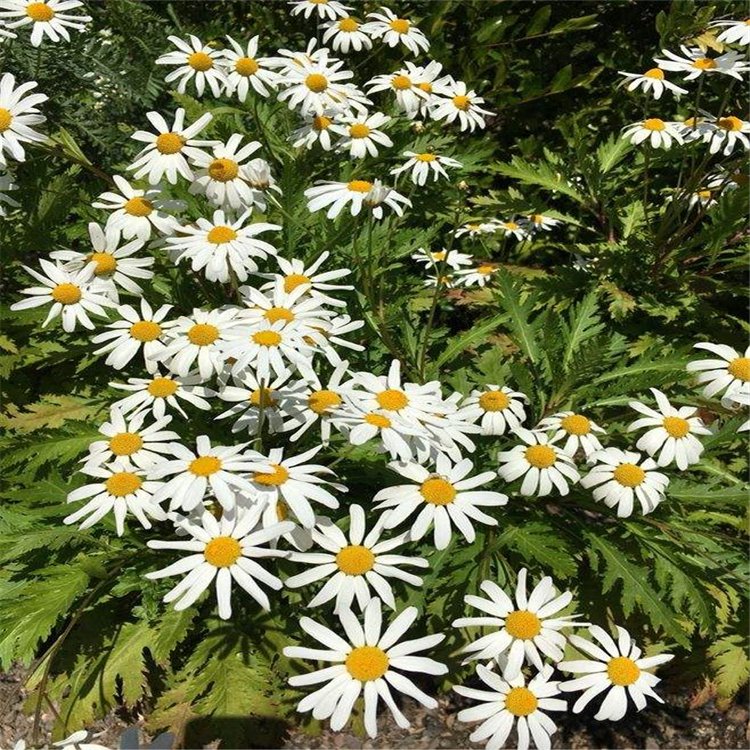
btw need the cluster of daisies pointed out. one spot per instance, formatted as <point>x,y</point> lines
<point>722,132</point>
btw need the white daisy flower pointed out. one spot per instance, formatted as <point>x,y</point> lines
<point>702,198</point>
<point>452,258</point>
<point>160,391</point>
<point>476,229</point>
<point>694,129</point>
<point>128,439</point>
<point>445,497</point>
<point>658,133</point>
<point>198,337</point>
<point>71,293</point>
<point>369,661</point>
<point>730,373</point>
<point>355,564</point>
<point>244,69</point>
<point>346,33</point>
<point>446,281</point>
<point>673,433</point>
<point>316,129</point>
<point>223,177</point>
<point>525,630</point>
<point>226,550</point>
<point>136,212</point>
<point>291,59</point>
<point>511,703</point>
<point>576,428</point>
<point>422,165</point>
<point>457,102</point>
<point>616,668</point>
<point>652,81</point>
<point>737,398</point>
<point>6,186</point>
<point>360,133</point>
<point>735,32</point>
<point>325,9</point>
<point>48,18</point>
<point>622,476</point>
<point>166,153</point>
<point>694,63</point>
<point>134,333</point>
<point>481,275</point>
<point>542,464</point>
<point>386,25</point>
<point>724,134</point>
<point>409,86</point>
<point>120,489</point>
<point>220,246</point>
<point>18,112</point>
<point>79,740</point>
<point>115,267</point>
<point>218,469</point>
<point>359,193</point>
<point>296,483</point>
<point>195,62</point>
<point>513,228</point>
<point>541,223</point>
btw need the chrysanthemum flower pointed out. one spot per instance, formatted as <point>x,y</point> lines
<point>244,69</point>
<point>386,25</point>
<point>360,133</point>
<point>659,133</point>
<point>738,398</point>
<point>452,258</point>
<point>725,133</point>
<point>134,333</point>
<point>346,33</point>
<point>578,430</point>
<point>540,223</point>
<point>424,164</point>
<point>512,228</point>
<point>330,9</point>
<point>673,432</point>
<point>616,668</point>
<point>354,564</point>
<point>412,86</point>
<point>358,193</point>
<point>694,63</point>
<point>18,112</point>
<point>524,628</point>
<point>47,18</point>
<point>652,81</point>
<point>71,294</point>
<point>225,550</point>
<point>622,476</point>
<point>121,489</point>
<point>370,660</point>
<point>195,62</point>
<point>316,129</point>
<point>166,153</point>
<point>511,703</point>
<point>445,497</point>
<point>730,373</point>
<point>735,32</point>
<point>480,275</point>
<point>456,102</point>
<point>476,228</point>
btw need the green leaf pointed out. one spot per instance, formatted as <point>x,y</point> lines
<point>473,336</point>
<point>540,174</point>
<point>730,660</point>
<point>584,323</point>
<point>539,544</point>
<point>524,335</point>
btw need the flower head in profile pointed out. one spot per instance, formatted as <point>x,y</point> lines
<point>357,194</point>
<point>330,9</point>
<point>728,372</point>
<point>694,63</point>
<point>18,113</point>
<point>735,32</point>
<point>653,81</point>
<point>425,164</point>
<point>658,133</point>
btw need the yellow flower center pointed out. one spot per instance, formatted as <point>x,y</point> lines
<point>461,102</point>
<point>437,491</point>
<point>629,475</point>
<point>274,314</point>
<point>523,624</point>
<point>294,280</point>
<point>200,61</point>
<point>520,701</point>
<point>221,235</point>
<point>704,195</point>
<point>400,25</point>
<point>655,73</point>
<point>66,294</point>
<point>6,118</point>
<point>425,157</point>
<point>145,330</point>
<point>494,401</point>
<point>654,123</point>
<point>204,466</point>
<point>359,186</point>
<point>392,399</point>
<point>162,387</point>
<point>39,12</point>
<point>540,456</point>
<point>486,269</point>
<point>576,424</point>
<point>401,82</point>
<point>359,130</point>
<point>510,225</point>
<point>316,82</point>
<point>367,663</point>
<point>125,443</point>
<point>740,368</point>
<point>676,427</point>
<point>322,401</point>
<point>223,170</point>
<point>106,263</point>
<point>348,24</point>
<point>730,123</point>
<point>267,338</point>
<point>537,218</point>
<point>222,551</point>
<point>123,483</point>
<point>622,671</point>
<point>704,63</point>
<point>263,397</point>
<point>278,476</point>
<point>203,334</point>
<point>425,86</point>
<point>440,255</point>
<point>377,420</point>
<point>246,66</point>
<point>169,143</point>
<point>138,207</point>
<point>355,560</point>
<point>282,510</point>
<point>321,122</point>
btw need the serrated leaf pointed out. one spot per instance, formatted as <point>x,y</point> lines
<point>730,660</point>
<point>50,411</point>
